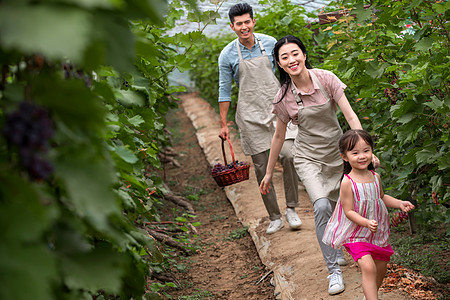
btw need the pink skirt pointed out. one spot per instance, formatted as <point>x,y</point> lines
<point>359,249</point>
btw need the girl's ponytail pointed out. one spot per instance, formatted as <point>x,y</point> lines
<point>347,168</point>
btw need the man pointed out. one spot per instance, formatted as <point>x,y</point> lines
<point>248,60</point>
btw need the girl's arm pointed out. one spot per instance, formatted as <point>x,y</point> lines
<point>275,148</point>
<point>392,202</point>
<point>346,198</point>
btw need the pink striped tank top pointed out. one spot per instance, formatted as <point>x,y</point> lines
<point>368,203</point>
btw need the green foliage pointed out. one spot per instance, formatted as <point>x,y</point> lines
<point>205,69</point>
<point>199,295</point>
<point>419,253</point>
<point>238,233</point>
<point>99,68</point>
<point>394,58</point>
<point>274,21</point>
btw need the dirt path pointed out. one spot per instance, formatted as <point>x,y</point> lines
<point>226,264</point>
<point>294,256</point>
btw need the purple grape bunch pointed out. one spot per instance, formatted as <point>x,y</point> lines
<point>219,168</point>
<point>71,72</point>
<point>398,217</point>
<point>30,128</point>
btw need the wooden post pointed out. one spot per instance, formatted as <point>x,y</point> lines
<point>326,18</point>
<point>411,219</point>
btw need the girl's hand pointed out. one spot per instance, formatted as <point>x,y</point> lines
<point>406,206</point>
<point>372,225</point>
<point>264,187</point>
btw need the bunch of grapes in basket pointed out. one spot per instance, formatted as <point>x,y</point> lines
<point>398,217</point>
<point>219,168</point>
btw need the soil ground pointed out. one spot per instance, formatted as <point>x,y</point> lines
<point>229,262</point>
<point>227,266</point>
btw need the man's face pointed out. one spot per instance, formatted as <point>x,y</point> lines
<point>243,26</point>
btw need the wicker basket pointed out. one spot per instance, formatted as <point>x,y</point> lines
<point>231,176</point>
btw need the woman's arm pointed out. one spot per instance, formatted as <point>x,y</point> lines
<point>346,198</point>
<point>353,120</point>
<point>275,148</point>
<point>349,114</point>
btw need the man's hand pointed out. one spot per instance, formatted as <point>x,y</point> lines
<point>224,132</point>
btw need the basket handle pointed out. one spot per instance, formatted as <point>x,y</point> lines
<point>231,150</point>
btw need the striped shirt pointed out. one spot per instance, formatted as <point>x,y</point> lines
<point>368,203</point>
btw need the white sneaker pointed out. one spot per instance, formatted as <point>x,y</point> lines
<point>292,218</point>
<point>275,225</point>
<point>336,285</point>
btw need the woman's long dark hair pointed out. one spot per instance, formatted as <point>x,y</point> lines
<point>284,77</point>
<point>348,141</point>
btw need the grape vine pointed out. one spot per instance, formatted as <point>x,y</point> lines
<point>83,94</point>
<point>29,129</point>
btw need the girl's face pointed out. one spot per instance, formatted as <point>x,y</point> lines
<point>360,156</point>
<point>291,59</point>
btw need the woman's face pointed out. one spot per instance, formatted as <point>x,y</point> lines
<point>291,59</point>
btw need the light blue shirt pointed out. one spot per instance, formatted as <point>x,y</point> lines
<point>229,62</point>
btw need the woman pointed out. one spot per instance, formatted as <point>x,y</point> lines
<point>309,98</point>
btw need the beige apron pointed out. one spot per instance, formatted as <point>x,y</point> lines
<point>316,157</point>
<point>257,88</point>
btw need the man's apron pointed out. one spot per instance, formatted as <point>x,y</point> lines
<point>316,157</point>
<point>257,89</point>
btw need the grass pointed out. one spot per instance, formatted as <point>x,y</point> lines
<point>199,295</point>
<point>218,217</point>
<point>426,251</point>
<point>238,233</point>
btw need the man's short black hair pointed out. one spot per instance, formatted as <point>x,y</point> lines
<point>239,10</point>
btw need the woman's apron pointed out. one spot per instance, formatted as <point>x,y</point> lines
<point>316,157</point>
<point>257,89</point>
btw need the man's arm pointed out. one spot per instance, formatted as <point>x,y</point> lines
<point>223,107</point>
<point>225,79</point>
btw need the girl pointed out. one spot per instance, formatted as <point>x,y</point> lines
<point>309,98</point>
<point>360,221</point>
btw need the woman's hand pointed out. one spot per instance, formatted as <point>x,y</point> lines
<point>264,187</point>
<point>406,206</point>
<point>375,161</point>
<point>372,225</point>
